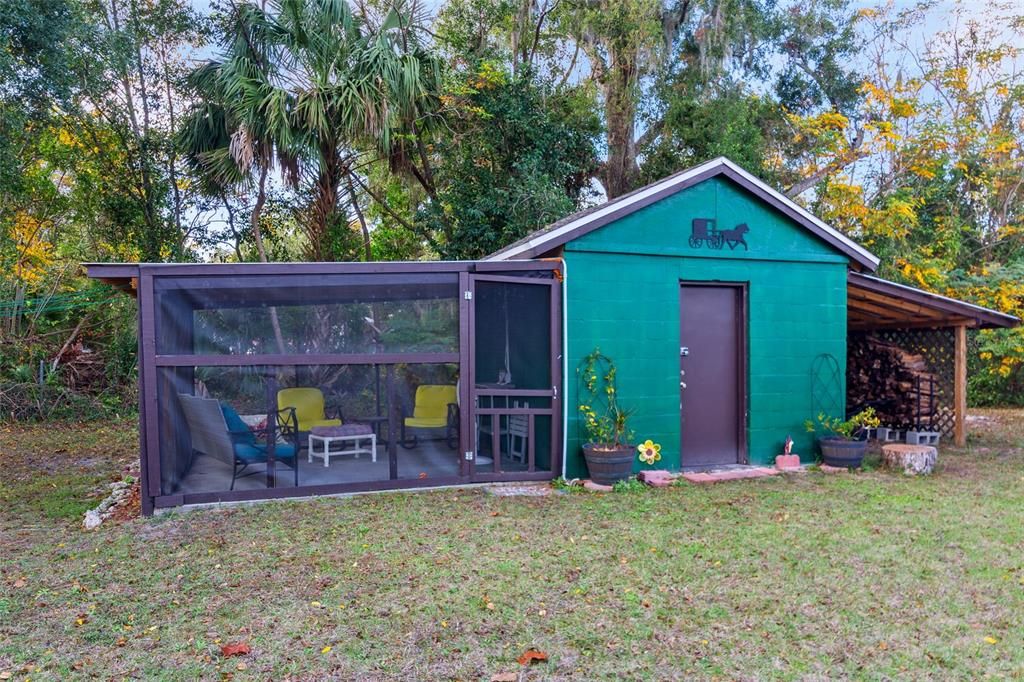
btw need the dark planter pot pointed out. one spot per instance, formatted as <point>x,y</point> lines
<point>609,466</point>
<point>838,452</point>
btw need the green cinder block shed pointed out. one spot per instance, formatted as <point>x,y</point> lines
<point>718,299</point>
<point>727,308</point>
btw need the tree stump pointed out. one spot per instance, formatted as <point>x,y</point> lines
<point>912,459</point>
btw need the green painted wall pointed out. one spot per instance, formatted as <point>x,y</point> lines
<point>622,293</point>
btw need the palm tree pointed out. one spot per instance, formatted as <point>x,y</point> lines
<point>310,86</point>
<point>226,137</point>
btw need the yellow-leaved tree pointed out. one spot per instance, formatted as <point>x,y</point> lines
<point>929,171</point>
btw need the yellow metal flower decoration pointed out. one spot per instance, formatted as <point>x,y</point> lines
<point>650,452</point>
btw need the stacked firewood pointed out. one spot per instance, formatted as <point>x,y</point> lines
<point>894,381</point>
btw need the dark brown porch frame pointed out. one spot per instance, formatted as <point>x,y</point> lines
<point>207,360</point>
<point>876,304</point>
<point>554,411</point>
<point>138,279</point>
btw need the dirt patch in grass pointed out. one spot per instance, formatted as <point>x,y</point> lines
<point>31,449</point>
<point>866,575</point>
<point>56,471</point>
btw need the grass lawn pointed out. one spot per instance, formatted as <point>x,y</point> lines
<point>857,575</point>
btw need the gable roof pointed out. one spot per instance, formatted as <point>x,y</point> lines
<point>576,225</point>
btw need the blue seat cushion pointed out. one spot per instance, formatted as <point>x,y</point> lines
<point>256,452</point>
<point>239,430</point>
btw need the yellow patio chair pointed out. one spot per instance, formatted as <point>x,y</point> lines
<point>308,404</point>
<point>436,407</point>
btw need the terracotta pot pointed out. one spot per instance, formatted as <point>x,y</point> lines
<point>840,452</point>
<point>609,466</point>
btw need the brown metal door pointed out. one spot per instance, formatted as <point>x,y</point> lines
<point>711,374</point>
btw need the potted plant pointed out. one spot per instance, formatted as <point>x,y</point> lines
<point>607,451</point>
<point>843,446</point>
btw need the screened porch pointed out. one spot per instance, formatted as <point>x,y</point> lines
<point>267,380</point>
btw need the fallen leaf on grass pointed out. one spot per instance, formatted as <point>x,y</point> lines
<point>532,656</point>
<point>326,650</point>
<point>991,640</point>
<point>235,649</point>
<point>20,582</point>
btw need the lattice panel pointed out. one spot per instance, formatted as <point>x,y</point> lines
<point>903,372</point>
<point>826,386</point>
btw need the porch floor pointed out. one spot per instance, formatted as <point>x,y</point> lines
<point>429,459</point>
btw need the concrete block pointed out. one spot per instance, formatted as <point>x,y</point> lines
<point>787,462</point>
<point>889,435</point>
<point>923,437</point>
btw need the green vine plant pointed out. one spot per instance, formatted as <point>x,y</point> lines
<point>606,423</point>
<point>846,429</point>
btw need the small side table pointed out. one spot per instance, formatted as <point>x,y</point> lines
<point>351,438</point>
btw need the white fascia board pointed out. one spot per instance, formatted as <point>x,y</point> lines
<point>810,217</point>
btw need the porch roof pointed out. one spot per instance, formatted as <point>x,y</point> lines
<point>875,303</point>
<point>124,276</point>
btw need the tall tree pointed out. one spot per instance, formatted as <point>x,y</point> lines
<point>227,135</point>
<point>39,40</point>
<point>133,87</point>
<point>516,156</point>
<point>627,42</point>
<point>311,81</point>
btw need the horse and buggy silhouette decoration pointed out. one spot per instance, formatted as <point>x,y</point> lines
<point>706,232</point>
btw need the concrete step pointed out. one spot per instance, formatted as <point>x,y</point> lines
<point>734,474</point>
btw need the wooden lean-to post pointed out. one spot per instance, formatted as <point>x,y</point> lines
<point>960,387</point>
